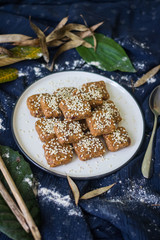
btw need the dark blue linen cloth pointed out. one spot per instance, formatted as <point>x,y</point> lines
<point>128,211</point>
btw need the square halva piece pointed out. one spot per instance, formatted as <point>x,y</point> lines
<point>45,129</point>
<point>50,106</point>
<point>89,147</point>
<point>110,107</point>
<point>64,92</point>
<point>96,91</point>
<point>75,108</point>
<point>34,106</point>
<point>101,122</point>
<point>56,154</point>
<point>68,132</point>
<point>117,140</point>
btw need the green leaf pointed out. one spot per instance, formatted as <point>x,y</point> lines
<point>20,53</point>
<point>23,178</point>
<point>109,55</point>
<point>8,74</point>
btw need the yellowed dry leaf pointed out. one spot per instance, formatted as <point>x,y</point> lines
<point>97,192</point>
<point>20,54</point>
<point>74,189</point>
<point>5,52</point>
<point>147,76</point>
<point>7,38</point>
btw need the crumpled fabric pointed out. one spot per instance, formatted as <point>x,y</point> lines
<point>128,211</point>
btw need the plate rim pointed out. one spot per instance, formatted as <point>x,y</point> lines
<point>65,175</point>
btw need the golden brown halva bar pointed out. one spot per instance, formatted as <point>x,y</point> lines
<point>68,132</point>
<point>50,106</point>
<point>45,129</point>
<point>109,106</point>
<point>57,154</point>
<point>34,106</point>
<point>63,93</point>
<point>97,85</point>
<point>92,94</point>
<point>75,108</point>
<point>101,122</point>
<point>117,140</point>
<point>89,147</point>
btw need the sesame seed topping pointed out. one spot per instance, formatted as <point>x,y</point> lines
<point>62,93</point>
<point>119,136</point>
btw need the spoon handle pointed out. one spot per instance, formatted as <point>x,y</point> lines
<point>147,164</point>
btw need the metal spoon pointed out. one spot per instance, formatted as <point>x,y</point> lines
<point>154,103</point>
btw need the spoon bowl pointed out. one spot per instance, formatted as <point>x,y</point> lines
<point>154,101</point>
<point>154,104</point>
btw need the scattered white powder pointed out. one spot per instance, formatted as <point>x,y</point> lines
<point>28,180</point>
<point>97,64</point>
<point>78,63</point>
<point>126,78</point>
<point>124,59</point>
<point>140,44</point>
<point>133,192</point>
<point>37,70</point>
<point>55,196</point>
<point>73,212</point>
<point>6,155</point>
<point>139,66</point>
<point>51,195</point>
<point>1,127</point>
<point>151,80</point>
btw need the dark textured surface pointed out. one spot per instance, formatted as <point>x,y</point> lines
<point>127,211</point>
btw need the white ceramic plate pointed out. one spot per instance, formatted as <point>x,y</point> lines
<point>27,137</point>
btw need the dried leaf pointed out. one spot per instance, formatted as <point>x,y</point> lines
<point>74,189</point>
<point>55,43</point>
<point>6,38</point>
<point>88,33</point>
<point>8,74</point>
<point>91,32</point>
<point>61,33</point>
<point>30,42</point>
<point>74,37</point>
<point>59,26</point>
<point>42,40</point>
<point>5,52</point>
<point>65,47</point>
<point>147,76</point>
<point>20,54</point>
<point>96,192</point>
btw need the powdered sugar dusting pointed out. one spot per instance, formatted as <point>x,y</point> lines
<point>37,70</point>
<point>135,191</point>
<point>151,80</point>
<point>28,180</point>
<point>140,65</point>
<point>1,126</point>
<point>53,196</point>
